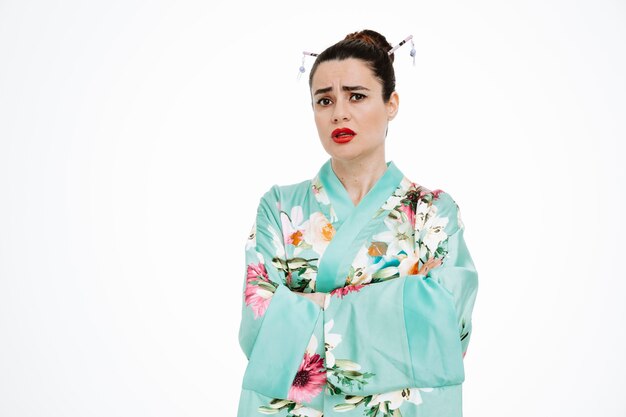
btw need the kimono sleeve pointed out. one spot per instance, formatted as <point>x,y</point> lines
<point>410,331</point>
<point>276,324</point>
<point>458,276</point>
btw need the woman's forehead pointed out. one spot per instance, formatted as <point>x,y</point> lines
<point>349,72</point>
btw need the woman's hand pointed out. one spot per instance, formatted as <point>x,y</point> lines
<point>317,297</point>
<point>428,265</point>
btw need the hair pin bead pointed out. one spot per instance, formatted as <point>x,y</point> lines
<point>302,69</point>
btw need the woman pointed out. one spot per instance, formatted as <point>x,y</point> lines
<point>359,286</point>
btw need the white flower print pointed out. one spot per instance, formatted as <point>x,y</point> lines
<point>392,202</point>
<point>429,228</point>
<point>333,215</point>
<point>320,192</point>
<point>435,232</point>
<point>279,248</point>
<point>398,195</point>
<point>408,264</point>
<point>423,212</point>
<point>395,399</point>
<point>363,267</point>
<point>322,197</point>
<point>251,242</point>
<point>318,232</point>
<point>311,275</point>
<point>331,340</point>
<point>302,411</point>
<point>276,405</point>
<point>292,227</point>
<point>399,237</point>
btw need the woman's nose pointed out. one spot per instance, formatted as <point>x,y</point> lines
<point>340,112</point>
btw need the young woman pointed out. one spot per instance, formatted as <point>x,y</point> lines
<point>359,287</point>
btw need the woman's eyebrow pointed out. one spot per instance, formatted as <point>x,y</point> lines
<point>344,88</point>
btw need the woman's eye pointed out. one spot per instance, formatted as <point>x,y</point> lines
<point>322,101</point>
<point>359,95</point>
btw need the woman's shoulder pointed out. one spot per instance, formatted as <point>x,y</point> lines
<point>285,195</point>
<point>441,204</point>
<point>448,207</point>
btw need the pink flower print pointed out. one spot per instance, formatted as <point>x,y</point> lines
<point>340,292</point>
<point>410,214</point>
<point>258,297</point>
<point>309,380</point>
<point>436,193</point>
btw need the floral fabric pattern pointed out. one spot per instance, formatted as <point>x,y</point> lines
<point>337,374</point>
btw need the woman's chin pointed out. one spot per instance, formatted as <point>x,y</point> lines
<point>341,152</point>
<point>351,151</point>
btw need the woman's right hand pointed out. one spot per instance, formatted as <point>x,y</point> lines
<point>428,265</point>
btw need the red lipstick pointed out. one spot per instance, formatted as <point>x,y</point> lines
<point>343,135</point>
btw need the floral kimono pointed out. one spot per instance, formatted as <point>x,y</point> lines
<point>388,341</point>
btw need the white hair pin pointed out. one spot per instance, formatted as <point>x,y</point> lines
<point>391,51</point>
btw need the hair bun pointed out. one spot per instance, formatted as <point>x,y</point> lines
<point>373,38</point>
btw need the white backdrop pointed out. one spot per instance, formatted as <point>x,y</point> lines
<point>136,138</point>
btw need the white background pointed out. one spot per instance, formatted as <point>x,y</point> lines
<point>136,138</point>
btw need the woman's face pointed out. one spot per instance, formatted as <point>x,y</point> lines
<point>345,94</point>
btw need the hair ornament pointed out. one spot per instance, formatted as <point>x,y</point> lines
<point>391,51</point>
<point>405,40</point>
<point>302,69</point>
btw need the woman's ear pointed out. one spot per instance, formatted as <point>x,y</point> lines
<point>393,105</point>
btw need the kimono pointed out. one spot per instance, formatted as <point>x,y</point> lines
<point>389,341</point>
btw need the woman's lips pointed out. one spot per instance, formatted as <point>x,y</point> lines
<point>343,135</point>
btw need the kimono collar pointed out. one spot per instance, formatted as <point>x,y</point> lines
<point>374,199</point>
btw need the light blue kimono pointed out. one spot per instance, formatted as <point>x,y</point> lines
<point>389,341</point>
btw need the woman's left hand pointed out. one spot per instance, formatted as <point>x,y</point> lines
<point>317,297</point>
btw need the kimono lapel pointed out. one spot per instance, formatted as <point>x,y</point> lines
<point>352,223</point>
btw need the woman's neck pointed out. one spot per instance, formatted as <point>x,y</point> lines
<point>360,175</point>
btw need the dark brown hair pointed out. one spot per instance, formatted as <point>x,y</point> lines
<point>368,46</point>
